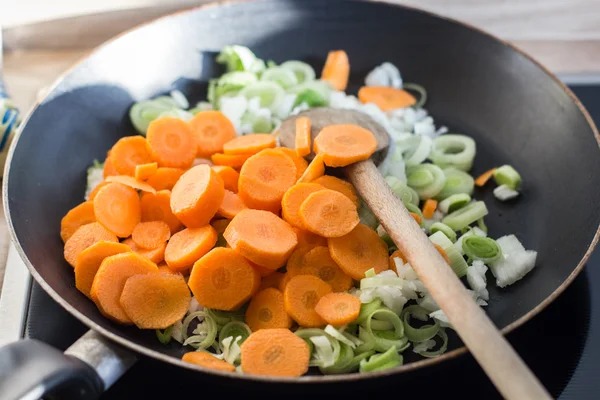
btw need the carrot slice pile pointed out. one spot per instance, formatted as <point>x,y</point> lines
<point>155,301</point>
<point>359,251</point>
<point>109,168</point>
<point>212,129</point>
<point>275,352</point>
<point>96,189</point>
<point>165,178</point>
<point>344,144</point>
<point>271,281</point>
<point>386,98</point>
<point>339,185</point>
<point>429,208</point>
<point>125,155</point>
<point>156,255</point>
<point>171,142</point>
<point>207,360</point>
<point>145,171</point>
<point>306,238</point>
<point>262,271</point>
<point>264,179</point>
<point>78,216</point>
<point>131,182</point>
<point>229,176</point>
<point>230,160</point>
<point>301,295</point>
<point>328,213</point>
<point>300,163</point>
<point>266,311</point>
<point>188,245</point>
<point>336,69</point>
<point>197,195</point>
<point>157,207</point>
<point>338,308</point>
<point>110,280</point>
<point>284,281</point>
<point>250,144</point>
<point>150,235</point>
<point>318,262</point>
<point>302,143</point>
<point>485,177</point>
<point>231,205</point>
<point>89,260</point>
<point>293,199</point>
<point>223,280</point>
<point>315,169</point>
<point>84,237</point>
<point>117,207</point>
<point>261,237</point>
<point>220,225</point>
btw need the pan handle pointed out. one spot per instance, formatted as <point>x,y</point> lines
<point>30,369</point>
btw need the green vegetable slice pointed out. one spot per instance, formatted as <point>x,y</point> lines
<point>303,71</point>
<point>445,229</point>
<point>164,336</point>
<point>235,329</point>
<point>454,202</point>
<point>457,182</point>
<point>415,149</point>
<point>453,150</point>
<point>507,175</point>
<point>457,262</point>
<point>466,215</point>
<point>481,248</point>
<point>426,179</point>
<point>380,362</point>
<point>270,94</point>
<point>284,77</point>
<point>430,354</point>
<point>402,191</point>
<point>418,334</point>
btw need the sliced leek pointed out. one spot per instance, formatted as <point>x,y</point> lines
<point>457,182</point>
<point>457,262</point>
<point>418,334</point>
<point>270,94</point>
<point>415,149</point>
<point>507,175</point>
<point>453,150</point>
<point>426,179</point>
<point>380,362</point>
<point>303,71</point>
<point>402,191</point>
<point>465,216</point>
<point>454,202</point>
<point>284,77</point>
<point>445,229</point>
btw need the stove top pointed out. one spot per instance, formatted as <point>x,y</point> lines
<point>561,344</point>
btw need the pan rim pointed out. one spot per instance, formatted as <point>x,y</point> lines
<point>414,366</point>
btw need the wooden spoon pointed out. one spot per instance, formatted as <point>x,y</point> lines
<point>498,359</point>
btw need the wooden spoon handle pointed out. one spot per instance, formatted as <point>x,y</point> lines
<point>498,359</point>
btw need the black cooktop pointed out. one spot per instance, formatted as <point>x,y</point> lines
<point>561,345</point>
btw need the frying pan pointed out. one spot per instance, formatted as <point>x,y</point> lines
<point>517,112</point>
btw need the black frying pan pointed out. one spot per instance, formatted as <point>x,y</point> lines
<point>517,112</point>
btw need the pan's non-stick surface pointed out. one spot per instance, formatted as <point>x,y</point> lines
<point>516,112</point>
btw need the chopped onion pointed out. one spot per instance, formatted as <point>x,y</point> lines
<point>386,74</point>
<point>504,193</point>
<point>515,263</point>
<point>477,280</point>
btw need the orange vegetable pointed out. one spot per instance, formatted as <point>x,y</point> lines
<point>78,216</point>
<point>315,170</point>
<point>131,182</point>
<point>164,269</point>
<point>306,238</point>
<point>110,280</point>
<point>317,261</point>
<point>212,129</point>
<point>300,163</point>
<point>485,177</point>
<point>231,205</point>
<point>337,69</point>
<point>338,308</point>
<point>229,176</point>
<point>207,360</point>
<point>396,253</point>
<point>171,142</point>
<point>301,295</point>
<point>197,196</point>
<point>220,225</point>
<point>293,199</point>
<point>145,171</point>
<point>150,235</point>
<point>89,260</point>
<point>262,271</point>
<point>157,207</point>
<point>417,218</point>
<point>250,144</point>
<point>344,144</point>
<point>230,160</point>
<point>339,185</point>
<point>109,168</point>
<point>442,252</point>
<point>359,251</point>
<point>328,213</point>
<point>223,280</point>
<point>85,236</point>
<point>199,161</point>
<point>125,155</point>
<point>266,311</point>
<point>155,255</point>
<point>429,208</point>
<point>386,98</point>
<point>284,281</point>
<point>117,207</point>
<point>271,281</point>
<point>264,179</point>
<point>275,352</point>
<point>165,178</point>
<point>188,245</point>
<point>155,301</point>
<point>96,189</point>
<point>261,237</point>
<point>303,137</point>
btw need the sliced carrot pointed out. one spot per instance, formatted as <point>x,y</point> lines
<point>171,142</point>
<point>109,168</point>
<point>275,352</point>
<point>296,262</point>
<point>207,360</point>
<point>156,255</point>
<point>417,218</point>
<point>344,144</point>
<point>262,271</point>
<point>145,171</point>
<point>396,254</point>
<point>300,163</point>
<point>336,69</point>
<point>155,301</point>
<point>164,269</point>
<point>110,280</point>
<point>85,236</point>
<point>131,182</point>
<point>359,251</point>
<point>338,308</point>
<point>231,205</point>
<point>150,235</point>
<point>293,199</point>
<point>223,279</point>
<point>96,189</point>
<point>266,311</point>
<point>301,295</point>
<point>318,262</point>
<point>197,196</point>
<point>189,245</point>
<point>302,136</point>
<point>229,175</point>
<point>80,215</point>
<point>315,170</point>
<point>157,207</point>
<point>386,98</point>
<point>126,154</point>
<point>306,238</point>
<point>250,144</point>
<point>165,178</point>
<point>117,207</point>
<point>199,161</point>
<point>271,281</point>
<point>230,160</point>
<point>89,260</point>
<point>220,225</point>
<point>264,179</point>
<point>442,252</point>
<point>261,237</point>
<point>284,281</point>
<point>328,213</point>
<point>429,208</point>
<point>212,129</point>
<point>485,177</point>
<point>339,185</point>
